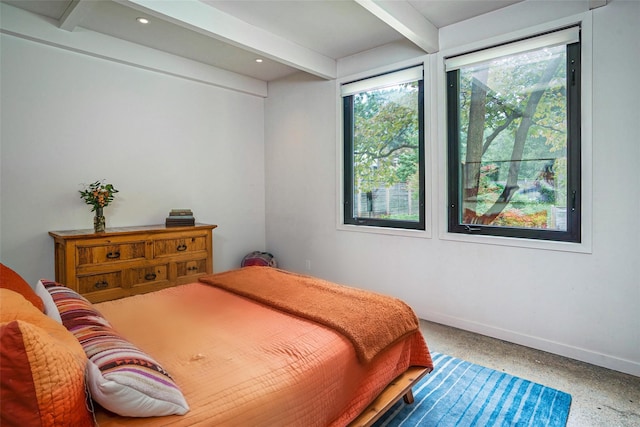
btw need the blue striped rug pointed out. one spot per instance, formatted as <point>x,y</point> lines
<point>459,393</point>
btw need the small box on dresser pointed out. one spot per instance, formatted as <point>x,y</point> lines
<point>131,260</point>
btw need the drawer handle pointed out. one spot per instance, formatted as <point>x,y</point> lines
<point>150,276</point>
<point>113,255</point>
<point>101,284</point>
<point>192,268</point>
<point>181,248</point>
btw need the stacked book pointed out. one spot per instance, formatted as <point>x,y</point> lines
<point>180,218</point>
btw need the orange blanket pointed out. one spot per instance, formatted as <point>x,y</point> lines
<point>371,321</point>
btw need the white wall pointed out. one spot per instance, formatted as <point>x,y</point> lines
<point>165,142</point>
<point>581,305</point>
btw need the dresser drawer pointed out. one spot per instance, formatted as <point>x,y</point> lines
<point>189,268</point>
<point>159,273</point>
<point>100,282</point>
<point>171,247</point>
<point>101,254</point>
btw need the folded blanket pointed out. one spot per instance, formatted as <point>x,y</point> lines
<point>371,321</point>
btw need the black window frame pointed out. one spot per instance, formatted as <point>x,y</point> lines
<point>348,187</point>
<point>574,174</point>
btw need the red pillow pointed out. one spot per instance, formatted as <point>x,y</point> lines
<point>42,369</point>
<point>9,279</point>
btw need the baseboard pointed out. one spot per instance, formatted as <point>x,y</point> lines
<point>572,352</point>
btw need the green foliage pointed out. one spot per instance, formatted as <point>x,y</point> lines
<point>385,137</point>
<point>402,217</point>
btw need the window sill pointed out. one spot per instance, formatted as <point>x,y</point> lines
<point>549,245</point>
<point>422,234</point>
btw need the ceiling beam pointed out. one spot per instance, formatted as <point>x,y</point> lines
<point>204,19</point>
<point>593,4</point>
<point>73,15</point>
<point>406,20</point>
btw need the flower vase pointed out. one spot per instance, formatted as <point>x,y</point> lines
<point>99,221</point>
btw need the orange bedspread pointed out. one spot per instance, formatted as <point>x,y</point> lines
<point>240,363</point>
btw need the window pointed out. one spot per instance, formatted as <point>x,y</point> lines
<point>384,150</point>
<point>513,132</point>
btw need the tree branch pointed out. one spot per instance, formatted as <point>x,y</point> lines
<point>499,129</point>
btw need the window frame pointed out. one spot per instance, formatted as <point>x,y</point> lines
<point>573,234</point>
<point>347,217</point>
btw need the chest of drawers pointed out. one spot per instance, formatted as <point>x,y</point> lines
<point>131,260</point>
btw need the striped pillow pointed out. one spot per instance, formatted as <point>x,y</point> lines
<point>121,377</point>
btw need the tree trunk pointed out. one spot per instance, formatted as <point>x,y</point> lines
<point>475,134</point>
<point>511,185</point>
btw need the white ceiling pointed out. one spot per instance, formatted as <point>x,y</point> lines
<point>291,35</point>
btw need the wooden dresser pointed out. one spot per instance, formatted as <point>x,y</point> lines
<point>132,260</point>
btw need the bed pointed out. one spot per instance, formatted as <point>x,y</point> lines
<point>255,346</point>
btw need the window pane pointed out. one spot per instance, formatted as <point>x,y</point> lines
<point>386,183</point>
<point>513,141</point>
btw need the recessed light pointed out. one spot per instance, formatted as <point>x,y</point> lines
<point>258,60</point>
<point>142,20</point>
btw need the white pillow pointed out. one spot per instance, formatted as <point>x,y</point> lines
<point>131,395</point>
<point>50,307</point>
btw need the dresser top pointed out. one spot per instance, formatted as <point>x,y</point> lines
<point>119,231</point>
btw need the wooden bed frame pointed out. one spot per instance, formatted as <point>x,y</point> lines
<point>398,388</point>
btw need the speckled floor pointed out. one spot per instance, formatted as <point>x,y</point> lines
<point>600,396</point>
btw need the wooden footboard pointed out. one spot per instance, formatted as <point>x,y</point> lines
<point>398,388</point>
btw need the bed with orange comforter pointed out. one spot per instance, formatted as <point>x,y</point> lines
<point>262,347</point>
